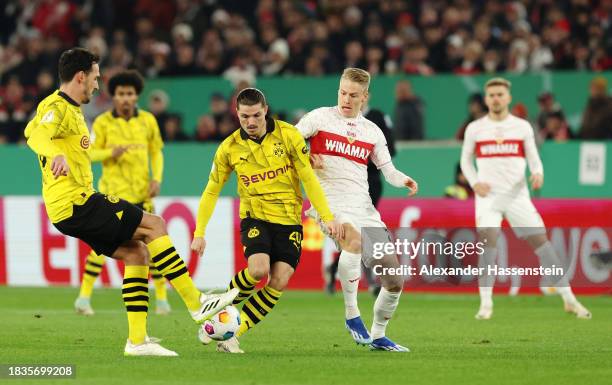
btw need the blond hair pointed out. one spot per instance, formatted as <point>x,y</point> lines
<point>358,76</point>
<point>498,82</point>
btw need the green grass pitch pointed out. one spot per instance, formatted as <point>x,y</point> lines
<point>530,340</point>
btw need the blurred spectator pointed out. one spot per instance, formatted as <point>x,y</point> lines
<point>408,123</point>
<point>218,107</point>
<point>16,104</point>
<point>206,129</point>
<point>226,126</point>
<point>158,105</point>
<point>548,105</point>
<point>476,110</point>
<point>555,128</point>
<point>172,130</point>
<point>597,116</point>
<point>461,189</point>
<point>520,110</point>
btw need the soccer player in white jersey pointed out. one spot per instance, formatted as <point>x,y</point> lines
<point>503,145</point>
<point>342,141</point>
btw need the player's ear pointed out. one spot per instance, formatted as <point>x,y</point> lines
<point>266,109</point>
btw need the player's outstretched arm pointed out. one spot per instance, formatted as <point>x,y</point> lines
<point>218,176</point>
<point>533,160</point>
<point>397,178</point>
<point>157,158</point>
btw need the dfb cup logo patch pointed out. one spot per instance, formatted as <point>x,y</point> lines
<point>85,142</point>
<point>253,233</point>
<point>112,199</point>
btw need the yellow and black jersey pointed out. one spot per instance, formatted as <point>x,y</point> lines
<point>128,176</point>
<point>269,171</point>
<point>59,128</point>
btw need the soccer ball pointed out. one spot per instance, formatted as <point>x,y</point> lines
<point>223,325</point>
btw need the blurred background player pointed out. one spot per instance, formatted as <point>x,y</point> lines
<point>270,158</point>
<point>503,145</point>
<point>126,139</point>
<point>109,225</point>
<point>342,141</point>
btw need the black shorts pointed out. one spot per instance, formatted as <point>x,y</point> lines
<point>146,206</point>
<point>104,222</point>
<point>283,243</point>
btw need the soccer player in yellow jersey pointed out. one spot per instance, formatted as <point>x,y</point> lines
<point>270,159</point>
<point>127,141</point>
<point>111,226</point>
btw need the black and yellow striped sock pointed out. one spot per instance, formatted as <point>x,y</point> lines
<point>135,293</point>
<point>93,266</point>
<point>161,291</point>
<point>245,283</point>
<point>257,307</point>
<point>167,261</point>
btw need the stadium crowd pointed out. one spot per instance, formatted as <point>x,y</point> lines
<point>242,40</point>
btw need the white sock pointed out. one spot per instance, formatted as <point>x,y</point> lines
<point>349,273</point>
<point>548,257</point>
<point>384,307</point>
<point>486,281</point>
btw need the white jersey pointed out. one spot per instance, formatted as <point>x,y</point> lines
<point>346,145</point>
<point>502,150</point>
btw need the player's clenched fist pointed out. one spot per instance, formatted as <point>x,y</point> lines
<point>412,185</point>
<point>537,180</point>
<point>335,229</point>
<point>198,245</point>
<point>59,166</point>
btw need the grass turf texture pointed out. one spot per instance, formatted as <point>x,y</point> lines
<point>530,340</point>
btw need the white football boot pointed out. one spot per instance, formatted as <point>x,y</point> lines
<point>578,309</point>
<point>230,346</point>
<point>147,348</point>
<point>162,307</point>
<point>212,304</point>
<point>484,313</point>
<point>83,306</point>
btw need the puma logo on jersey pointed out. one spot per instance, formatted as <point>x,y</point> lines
<point>347,149</point>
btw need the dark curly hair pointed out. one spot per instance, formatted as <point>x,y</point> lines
<point>126,78</point>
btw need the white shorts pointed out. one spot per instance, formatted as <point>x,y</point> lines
<point>359,218</point>
<point>519,211</point>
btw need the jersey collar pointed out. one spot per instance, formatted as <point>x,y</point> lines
<point>116,115</point>
<point>270,126</point>
<point>68,98</point>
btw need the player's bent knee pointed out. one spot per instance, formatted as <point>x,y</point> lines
<point>279,283</point>
<point>136,254</point>
<point>259,272</point>
<point>393,283</point>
